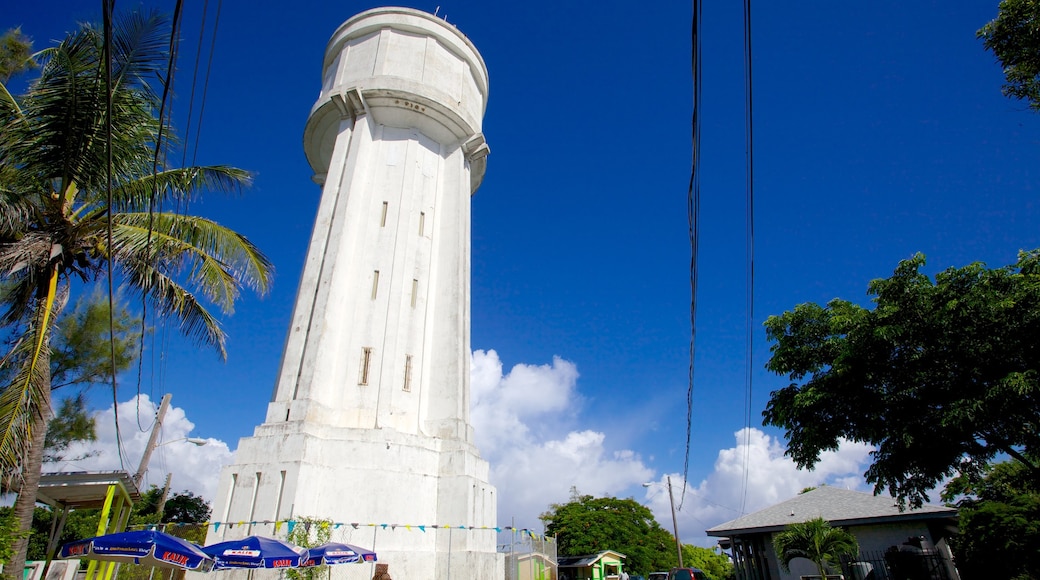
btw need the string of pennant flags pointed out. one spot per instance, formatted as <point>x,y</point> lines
<point>290,525</point>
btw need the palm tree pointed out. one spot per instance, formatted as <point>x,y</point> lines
<point>69,211</point>
<point>815,540</point>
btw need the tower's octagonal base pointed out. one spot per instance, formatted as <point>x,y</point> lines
<point>422,504</point>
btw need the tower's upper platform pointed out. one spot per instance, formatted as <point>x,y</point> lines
<point>406,68</point>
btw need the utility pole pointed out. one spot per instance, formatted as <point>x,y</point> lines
<point>165,494</point>
<point>675,523</point>
<point>152,440</point>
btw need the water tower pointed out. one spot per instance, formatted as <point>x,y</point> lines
<point>369,421</point>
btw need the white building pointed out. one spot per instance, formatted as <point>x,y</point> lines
<point>369,422</point>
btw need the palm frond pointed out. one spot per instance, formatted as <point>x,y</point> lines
<point>139,49</point>
<point>216,260</point>
<point>178,184</point>
<point>174,300</point>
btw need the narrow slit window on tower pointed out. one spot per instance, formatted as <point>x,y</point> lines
<point>415,291</point>
<point>366,361</point>
<point>408,372</point>
<point>375,284</point>
<point>382,220</point>
<point>422,222</point>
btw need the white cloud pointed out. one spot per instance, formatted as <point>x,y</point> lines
<point>527,425</point>
<point>524,423</point>
<point>193,468</point>
<point>771,478</point>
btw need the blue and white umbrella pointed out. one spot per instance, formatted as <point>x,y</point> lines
<point>332,553</point>
<point>146,547</point>
<point>255,552</point>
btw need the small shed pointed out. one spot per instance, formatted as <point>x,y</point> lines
<point>602,566</point>
<point>877,522</point>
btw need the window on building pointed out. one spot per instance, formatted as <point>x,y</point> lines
<point>382,220</point>
<point>366,362</point>
<point>408,372</point>
<point>375,284</point>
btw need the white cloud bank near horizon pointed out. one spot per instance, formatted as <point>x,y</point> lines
<point>194,468</point>
<point>530,428</point>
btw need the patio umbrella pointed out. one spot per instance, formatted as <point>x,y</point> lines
<point>331,553</point>
<point>255,552</point>
<point>147,547</point>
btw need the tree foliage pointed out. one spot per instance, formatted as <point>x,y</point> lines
<point>82,190</point>
<point>816,541</point>
<point>1014,37</point>
<point>999,523</point>
<point>588,525</point>
<point>716,566</point>
<point>940,376</point>
<point>82,353</point>
<point>179,508</point>
<point>307,533</point>
<point>15,54</point>
<point>73,422</point>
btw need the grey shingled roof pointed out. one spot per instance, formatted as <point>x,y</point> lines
<point>840,507</point>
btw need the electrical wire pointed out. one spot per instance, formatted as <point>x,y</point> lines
<point>750,249</point>
<point>205,84</point>
<point>159,148</point>
<point>107,8</point>
<point>693,211</point>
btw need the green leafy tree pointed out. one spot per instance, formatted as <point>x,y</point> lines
<point>308,532</point>
<point>1014,37</point>
<point>587,525</point>
<point>81,352</point>
<point>56,211</point>
<point>941,377</point>
<point>9,532</point>
<point>999,523</point>
<point>71,423</point>
<point>15,54</point>
<point>716,566</point>
<point>180,508</point>
<point>817,541</point>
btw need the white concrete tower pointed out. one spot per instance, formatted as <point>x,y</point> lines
<point>369,422</point>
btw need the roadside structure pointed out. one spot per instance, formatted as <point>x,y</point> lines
<point>369,422</point>
<point>605,565</point>
<point>892,543</point>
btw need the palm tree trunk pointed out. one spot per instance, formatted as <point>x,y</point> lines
<point>25,505</point>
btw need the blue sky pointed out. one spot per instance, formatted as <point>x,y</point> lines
<point>880,131</point>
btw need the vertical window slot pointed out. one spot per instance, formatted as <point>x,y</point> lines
<point>422,222</point>
<point>382,220</point>
<point>415,291</point>
<point>375,283</point>
<point>408,372</point>
<point>366,361</point>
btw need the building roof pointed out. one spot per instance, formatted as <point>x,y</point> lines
<point>83,489</point>
<point>586,560</point>
<point>840,507</point>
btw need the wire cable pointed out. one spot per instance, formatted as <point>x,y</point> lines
<point>107,8</point>
<point>205,84</point>
<point>167,89</point>
<point>693,212</point>
<point>750,249</point>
